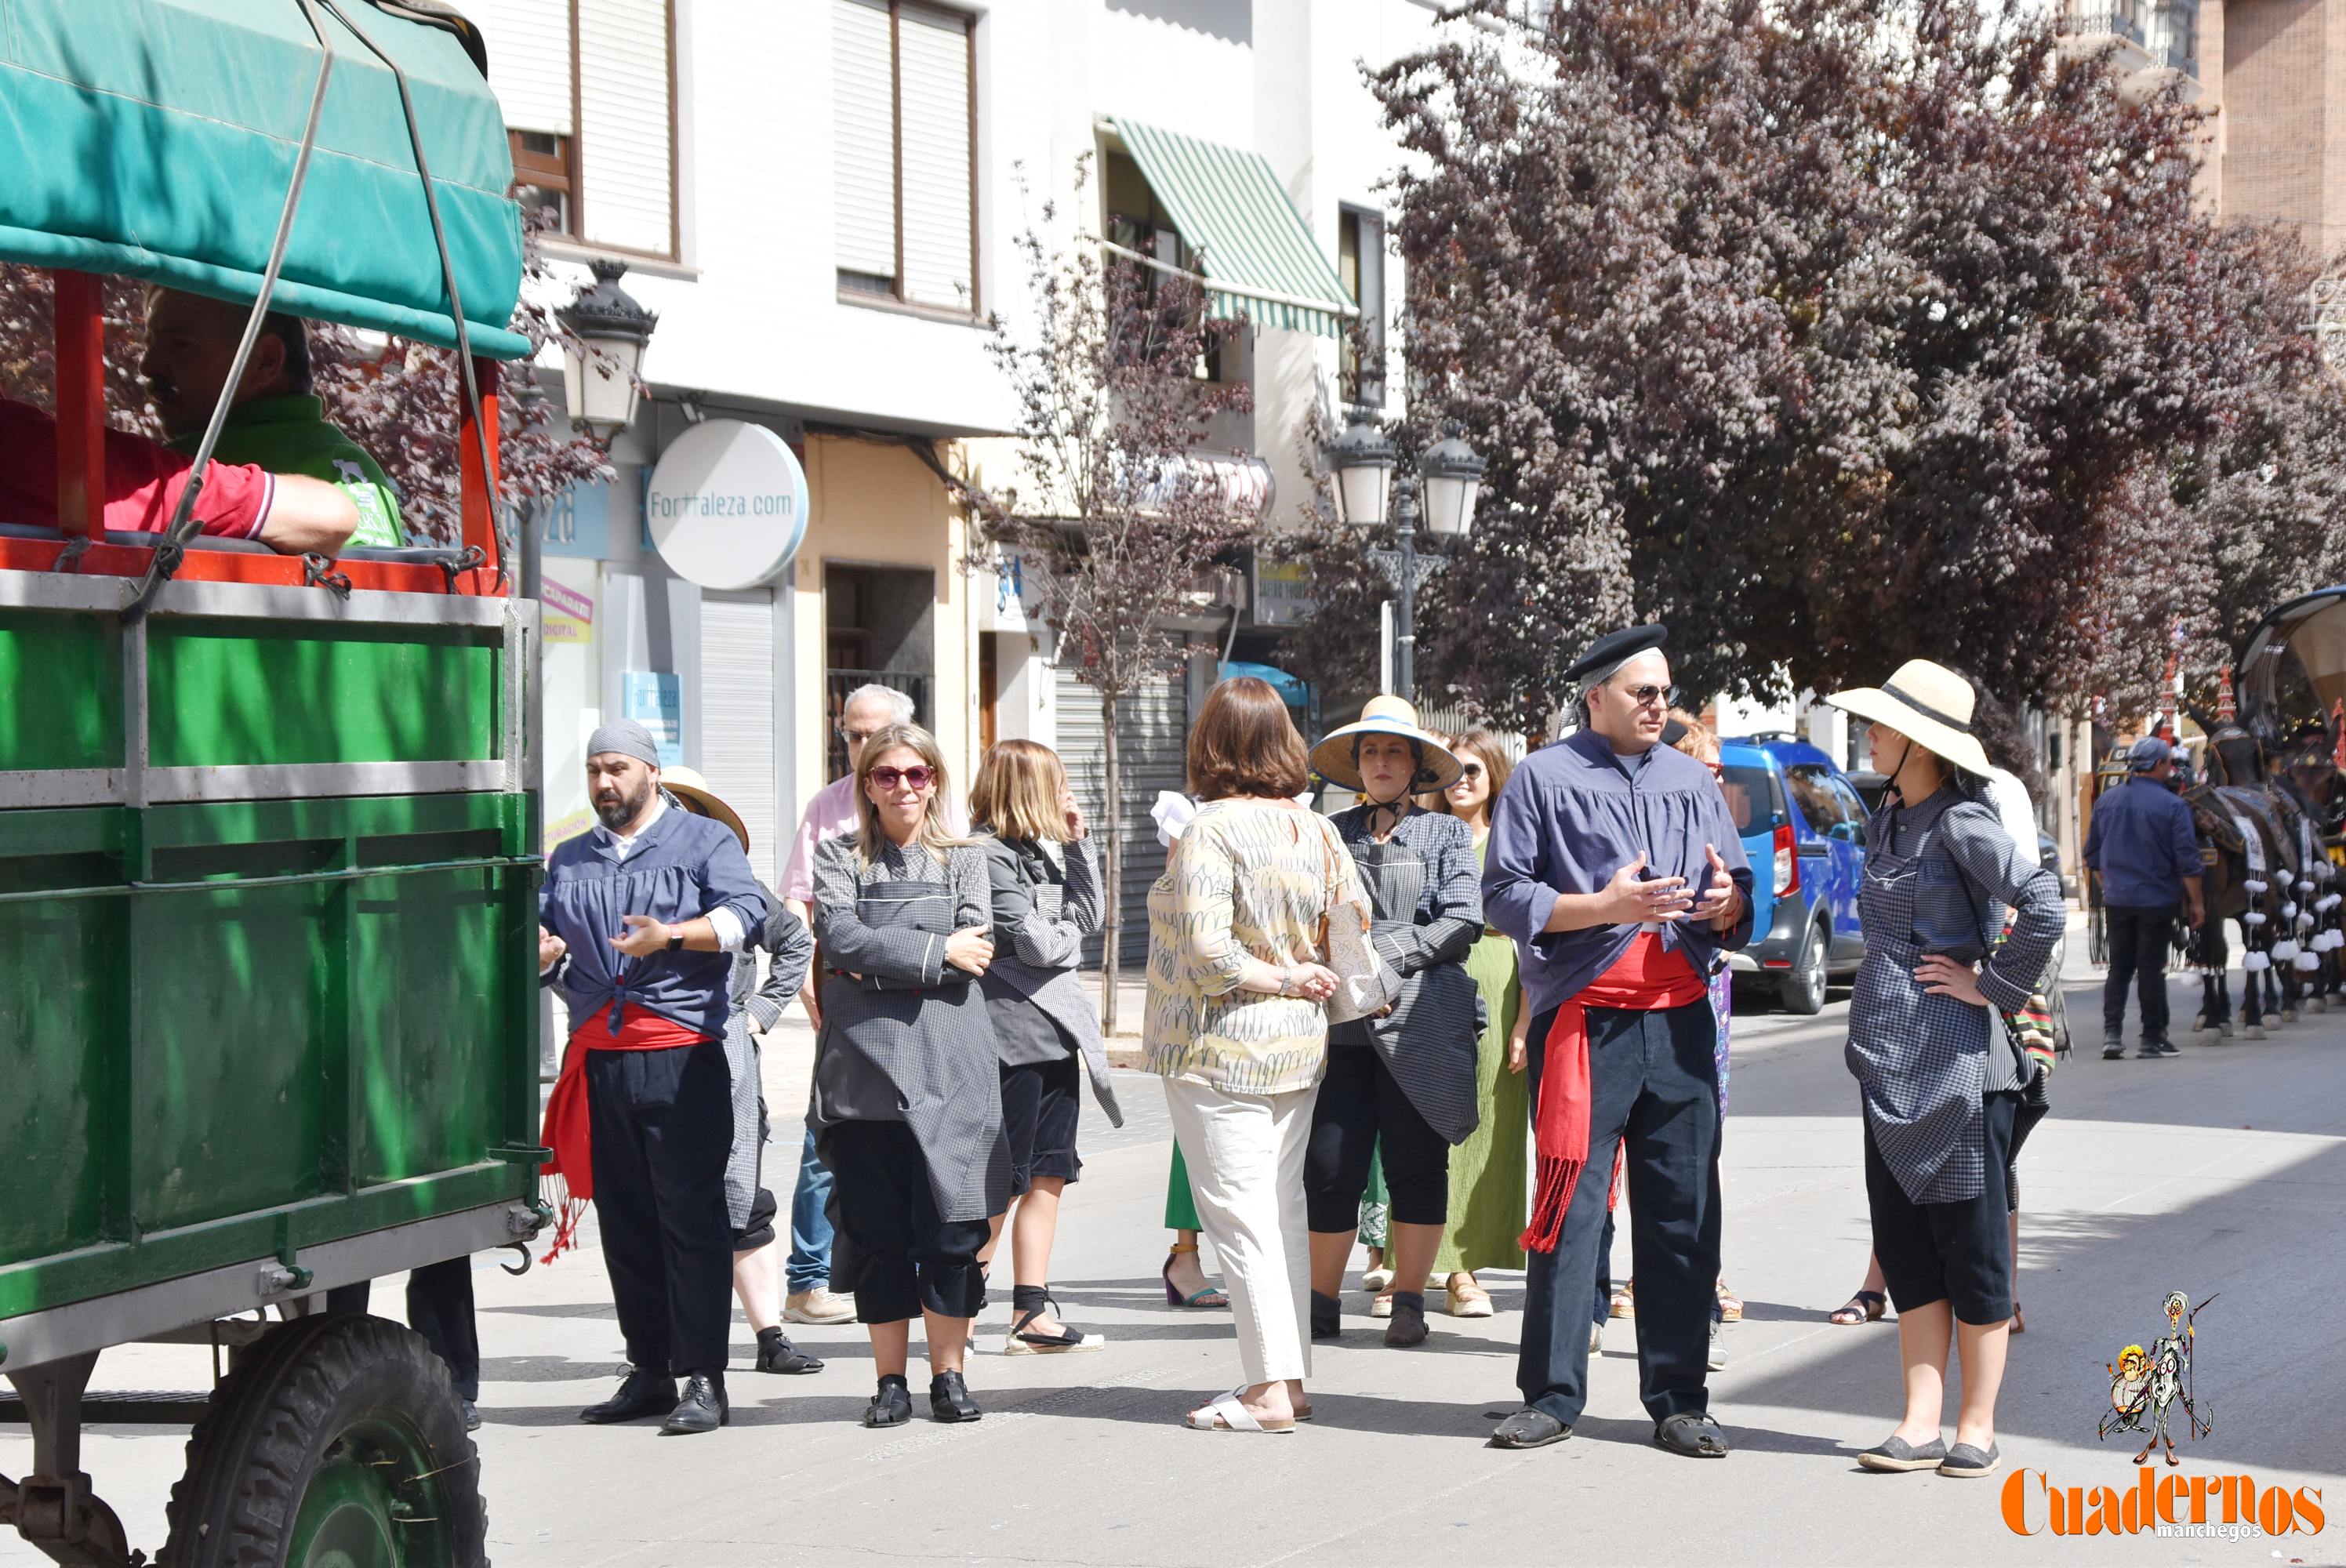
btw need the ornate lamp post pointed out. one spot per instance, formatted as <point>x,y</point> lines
<point>601,393</point>
<point>1362,460</point>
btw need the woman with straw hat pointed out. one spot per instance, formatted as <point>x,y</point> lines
<point>1940,1081</point>
<point>750,1204</point>
<point>1403,1083</point>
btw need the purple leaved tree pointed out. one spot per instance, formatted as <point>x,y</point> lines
<point>1112,521</point>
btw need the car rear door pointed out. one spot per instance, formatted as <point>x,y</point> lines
<point>1854,804</point>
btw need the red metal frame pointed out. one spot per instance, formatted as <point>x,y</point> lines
<point>80,340</point>
<point>81,481</point>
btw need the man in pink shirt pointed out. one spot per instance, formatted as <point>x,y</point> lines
<point>867,710</point>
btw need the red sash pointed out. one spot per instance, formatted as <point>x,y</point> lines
<point>1648,978</point>
<point>569,1129</point>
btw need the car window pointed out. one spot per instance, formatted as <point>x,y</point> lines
<point>1813,787</point>
<point>1852,803</point>
<point>1753,798</point>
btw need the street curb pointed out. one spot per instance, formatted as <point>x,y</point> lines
<point>1125,1051</point>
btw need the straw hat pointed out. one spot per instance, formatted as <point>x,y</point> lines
<point>1927,702</point>
<point>693,789</point>
<point>1332,758</point>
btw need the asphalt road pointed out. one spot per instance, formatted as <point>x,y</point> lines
<point>2221,1171</point>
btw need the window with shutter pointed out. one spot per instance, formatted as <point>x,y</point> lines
<point>588,90</point>
<point>933,51</point>
<point>529,61</point>
<point>904,121</point>
<point>863,144</point>
<point>624,108</point>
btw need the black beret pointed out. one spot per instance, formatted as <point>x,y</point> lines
<point>1615,648</point>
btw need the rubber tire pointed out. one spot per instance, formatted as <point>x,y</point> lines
<point>252,1456</point>
<point>1802,992</point>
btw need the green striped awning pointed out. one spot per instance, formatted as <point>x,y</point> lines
<point>1261,259</point>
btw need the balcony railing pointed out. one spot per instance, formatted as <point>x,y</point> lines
<point>2108,19</point>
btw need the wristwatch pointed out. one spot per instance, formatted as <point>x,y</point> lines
<point>675,940</point>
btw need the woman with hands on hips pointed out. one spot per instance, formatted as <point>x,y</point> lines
<point>907,1098</point>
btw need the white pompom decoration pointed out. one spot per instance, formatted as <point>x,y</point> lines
<point>2307,963</point>
<point>2255,962</point>
<point>2252,918</point>
<point>2284,949</point>
<point>2254,886</point>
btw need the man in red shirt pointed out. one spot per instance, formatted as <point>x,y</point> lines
<point>287,512</point>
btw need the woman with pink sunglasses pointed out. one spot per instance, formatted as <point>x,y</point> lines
<point>907,1101</point>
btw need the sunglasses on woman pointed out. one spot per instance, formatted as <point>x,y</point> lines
<point>919,778</point>
<point>1470,770</point>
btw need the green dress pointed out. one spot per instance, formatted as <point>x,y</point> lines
<point>1489,1173</point>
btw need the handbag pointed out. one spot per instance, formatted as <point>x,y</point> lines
<point>1366,984</point>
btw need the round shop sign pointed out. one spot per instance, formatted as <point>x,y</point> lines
<point>728,505</point>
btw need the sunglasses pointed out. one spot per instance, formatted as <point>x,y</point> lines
<point>919,778</point>
<point>1651,695</point>
<point>1470,770</point>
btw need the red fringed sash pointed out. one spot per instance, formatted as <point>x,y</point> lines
<point>1648,978</point>
<point>569,1131</point>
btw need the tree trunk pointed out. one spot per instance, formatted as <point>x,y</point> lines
<point>1114,874</point>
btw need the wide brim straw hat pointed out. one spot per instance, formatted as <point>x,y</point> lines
<point>1332,758</point>
<point>1928,703</point>
<point>693,789</point>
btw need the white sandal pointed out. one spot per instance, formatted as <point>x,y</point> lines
<point>1227,1413</point>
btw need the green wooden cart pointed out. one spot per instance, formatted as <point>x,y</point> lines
<point>268,828</point>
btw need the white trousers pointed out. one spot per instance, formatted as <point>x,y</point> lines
<point>1245,1154</point>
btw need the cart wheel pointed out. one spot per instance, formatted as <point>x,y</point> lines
<point>340,1441</point>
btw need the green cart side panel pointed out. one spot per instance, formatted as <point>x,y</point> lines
<point>62,1069</point>
<point>63,675</point>
<point>233,1057</point>
<point>302,1026</point>
<point>430,1017</point>
<point>240,693</point>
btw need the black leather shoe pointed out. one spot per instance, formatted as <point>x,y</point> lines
<point>703,1408</point>
<point>892,1405</point>
<point>1327,1317</point>
<point>777,1354</point>
<point>948,1399</point>
<point>643,1394</point>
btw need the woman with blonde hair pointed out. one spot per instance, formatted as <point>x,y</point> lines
<point>1046,900</point>
<point>1237,1026</point>
<point>907,1098</point>
<point>1489,1173</point>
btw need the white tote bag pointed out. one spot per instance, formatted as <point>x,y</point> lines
<point>1366,985</point>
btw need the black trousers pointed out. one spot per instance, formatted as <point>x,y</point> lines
<point>1361,1103</point>
<point>663,1125</point>
<point>1652,1090</point>
<point>439,1308</point>
<point>902,1256</point>
<point>2140,939</point>
<point>1958,1252</point>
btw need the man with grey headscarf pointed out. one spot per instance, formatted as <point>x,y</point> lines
<point>637,921</point>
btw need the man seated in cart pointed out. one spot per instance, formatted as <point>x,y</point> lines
<point>275,420</point>
<point>144,478</point>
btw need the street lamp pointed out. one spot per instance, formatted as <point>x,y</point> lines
<point>1362,460</point>
<point>601,390</point>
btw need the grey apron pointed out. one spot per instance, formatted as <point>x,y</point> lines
<point>1431,1039</point>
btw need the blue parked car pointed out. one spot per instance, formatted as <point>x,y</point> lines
<point>1803,830</point>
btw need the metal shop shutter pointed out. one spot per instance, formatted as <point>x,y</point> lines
<point>737,716</point>
<point>1153,726</point>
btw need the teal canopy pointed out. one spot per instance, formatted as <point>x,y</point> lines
<point>156,138</point>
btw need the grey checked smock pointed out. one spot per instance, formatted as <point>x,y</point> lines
<point>1937,878</point>
<point>1426,902</point>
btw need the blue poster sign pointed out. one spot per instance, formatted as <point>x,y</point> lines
<point>655,699</point>
<point>576,523</point>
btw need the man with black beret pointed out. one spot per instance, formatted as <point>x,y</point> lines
<point>1613,864</point>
